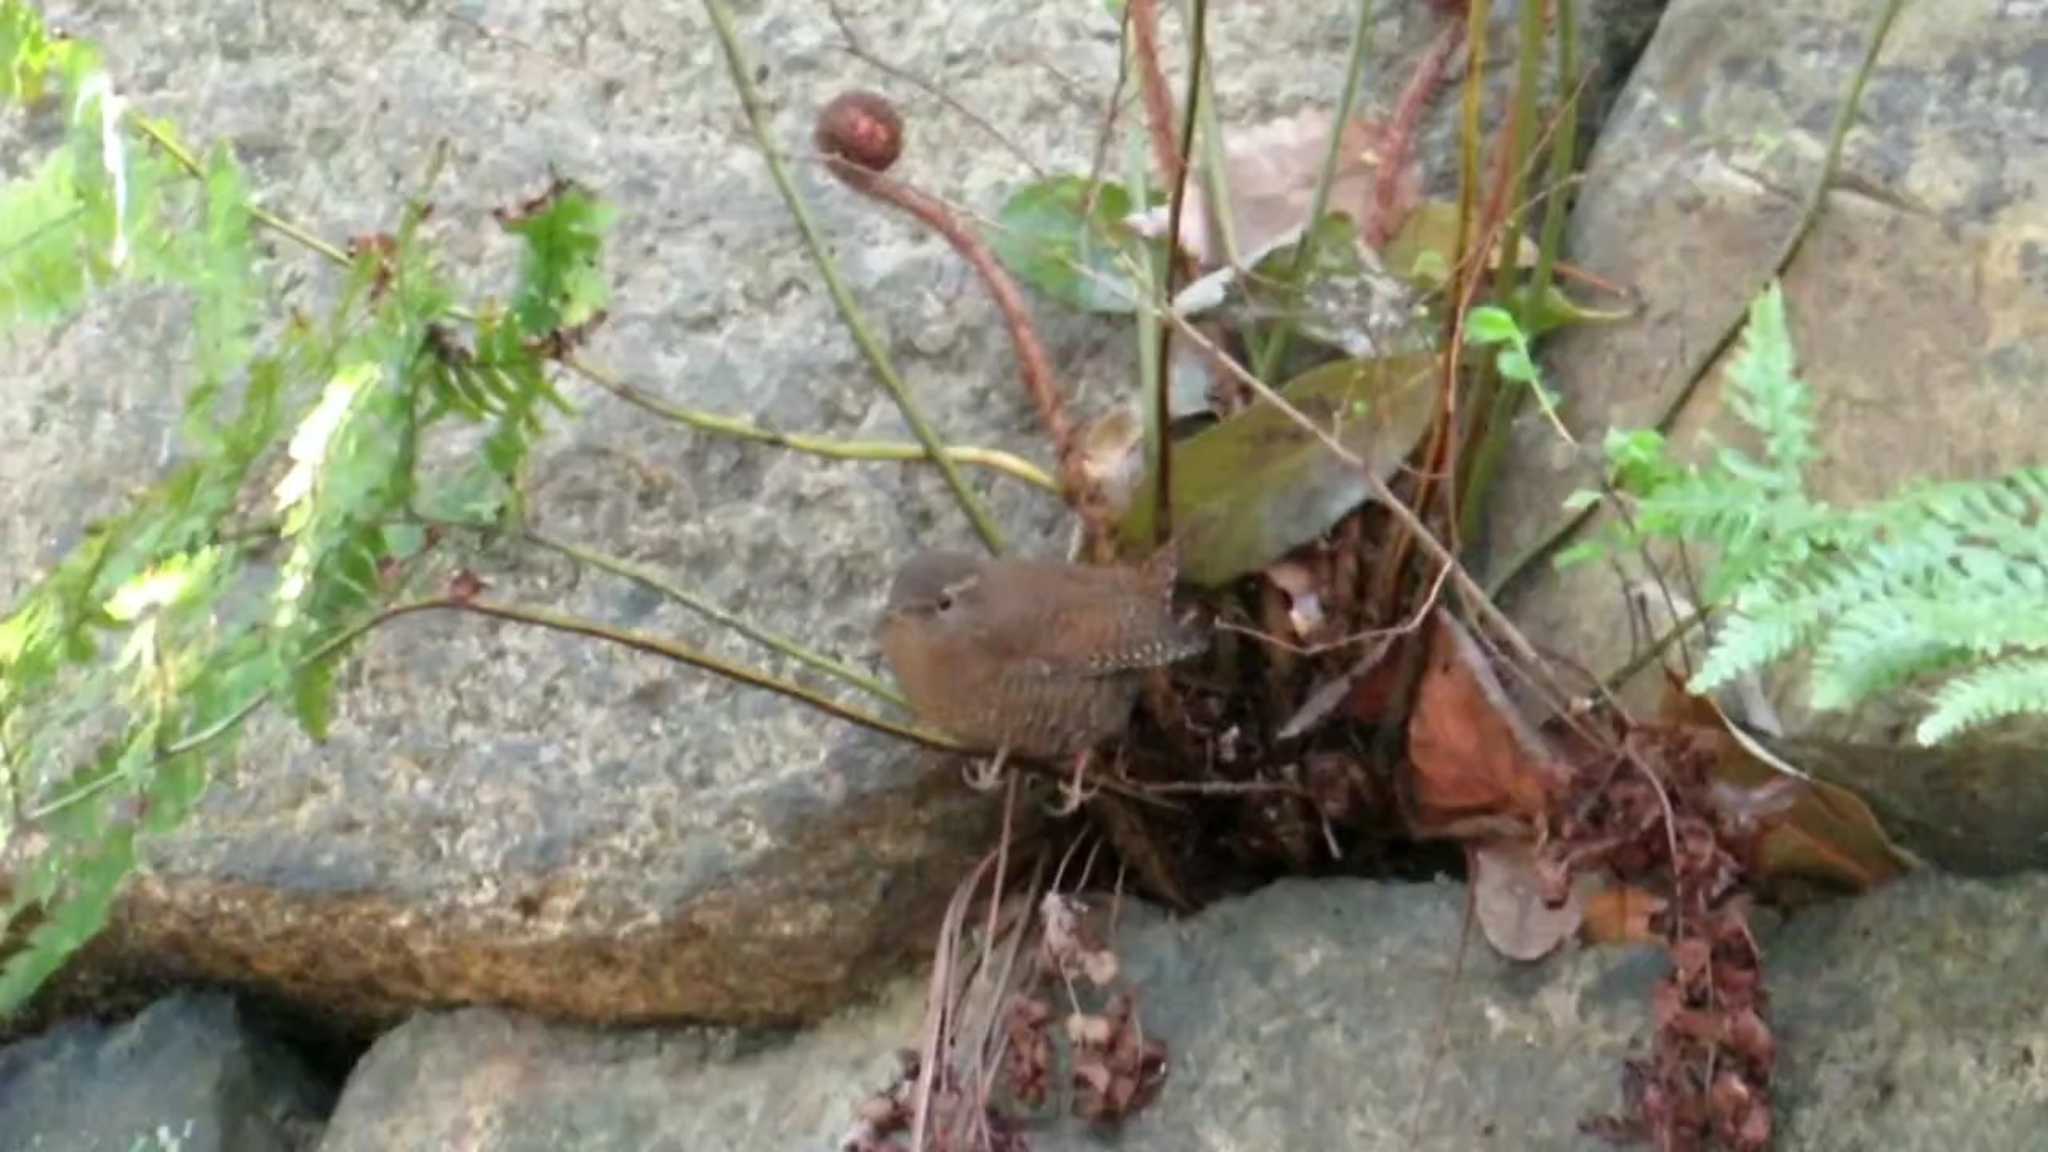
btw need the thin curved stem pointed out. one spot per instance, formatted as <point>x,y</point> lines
<point>995,460</point>
<point>828,271</point>
<point>648,578</point>
<point>684,654</point>
<point>1270,357</point>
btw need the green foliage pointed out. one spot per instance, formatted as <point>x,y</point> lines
<point>1066,237</point>
<point>126,672</point>
<point>1487,325</point>
<point>1941,584</point>
<point>1249,489</point>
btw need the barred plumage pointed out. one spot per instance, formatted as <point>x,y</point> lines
<point>1042,657</point>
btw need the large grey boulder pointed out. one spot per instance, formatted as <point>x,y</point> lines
<point>1327,1015</point>
<point>1919,304</point>
<point>192,1073</point>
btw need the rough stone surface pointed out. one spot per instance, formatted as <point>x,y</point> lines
<point>516,817</point>
<point>493,1080</point>
<point>1306,1016</point>
<point>1919,304</point>
<point>187,1075</point>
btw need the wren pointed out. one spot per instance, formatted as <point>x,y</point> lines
<point>1036,657</point>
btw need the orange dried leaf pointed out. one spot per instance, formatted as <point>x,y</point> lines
<point>1471,751</point>
<point>1621,915</point>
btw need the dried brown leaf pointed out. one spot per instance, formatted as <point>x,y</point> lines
<point>1510,898</point>
<point>1472,752</point>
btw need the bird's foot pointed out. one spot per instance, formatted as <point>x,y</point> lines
<point>986,775</point>
<point>1075,792</point>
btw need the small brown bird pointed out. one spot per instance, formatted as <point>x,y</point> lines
<point>1037,657</point>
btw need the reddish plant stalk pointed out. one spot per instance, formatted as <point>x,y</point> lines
<point>1159,118</point>
<point>860,134</point>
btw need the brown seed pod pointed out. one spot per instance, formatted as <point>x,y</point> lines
<point>862,128</point>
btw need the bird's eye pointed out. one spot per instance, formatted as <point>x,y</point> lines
<point>945,601</point>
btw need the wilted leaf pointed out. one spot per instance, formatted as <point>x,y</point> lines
<point>1344,299</point>
<point>1510,898</point>
<point>1472,752</point>
<point>1304,599</point>
<point>1250,489</point>
<point>1272,171</point>
<point>1069,244</point>
<point>1113,454</point>
<point>1822,833</point>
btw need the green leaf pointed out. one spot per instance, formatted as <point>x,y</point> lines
<point>1556,309</point>
<point>1248,490</point>
<point>1423,250</point>
<point>562,282</point>
<point>1067,238</point>
<point>1488,324</point>
<point>313,698</point>
<point>1514,364</point>
<point>225,310</point>
<point>45,268</point>
<point>28,56</point>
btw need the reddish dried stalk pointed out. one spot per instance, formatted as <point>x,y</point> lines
<point>1159,117</point>
<point>1415,99</point>
<point>860,134</point>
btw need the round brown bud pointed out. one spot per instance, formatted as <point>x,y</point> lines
<point>861,127</point>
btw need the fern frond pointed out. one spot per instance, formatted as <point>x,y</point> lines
<point>30,57</point>
<point>1988,693</point>
<point>1938,580</point>
<point>45,270</point>
<point>561,281</point>
<point>1767,394</point>
<point>224,281</point>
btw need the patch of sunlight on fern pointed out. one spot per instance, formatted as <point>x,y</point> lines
<point>1992,692</point>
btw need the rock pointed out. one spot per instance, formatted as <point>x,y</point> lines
<point>1919,304</point>
<point>1308,1015</point>
<point>497,1082</point>
<point>1914,1018</point>
<point>187,1075</point>
<point>505,816</point>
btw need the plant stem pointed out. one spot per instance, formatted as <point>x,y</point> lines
<point>828,270</point>
<point>1528,54</point>
<point>648,578</point>
<point>261,215</point>
<point>1162,416</point>
<point>1172,161</point>
<point>1215,177</point>
<point>995,460</point>
<point>1507,396</point>
<point>1563,152</point>
<point>1270,357</point>
<point>655,645</point>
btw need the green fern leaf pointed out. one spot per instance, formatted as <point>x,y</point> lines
<point>1988,693</point>
<point>30,58</point>
<point>562,282</point>
<point>45,270</point>
<point>224,281</point>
